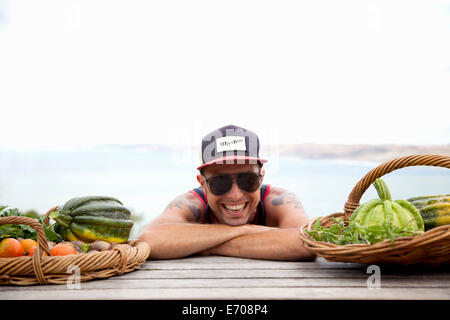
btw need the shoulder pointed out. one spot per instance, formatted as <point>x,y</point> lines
<point>275,193</point>
<point>184,207</point>
<point>279,196</point>
<point>283,207</point>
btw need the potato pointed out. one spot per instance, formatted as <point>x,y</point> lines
<point>77,243</point>
<point>100,245</point>
<point>78,249</point>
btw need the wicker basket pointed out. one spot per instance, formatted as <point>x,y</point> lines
<point>430,248</point>
<point>40,269</point>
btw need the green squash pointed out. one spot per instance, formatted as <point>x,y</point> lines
<point>386,215</point>
<point>93,218</point>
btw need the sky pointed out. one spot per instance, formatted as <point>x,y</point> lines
<point>85,73</point>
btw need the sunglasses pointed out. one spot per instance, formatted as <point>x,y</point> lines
<point>247,181</point>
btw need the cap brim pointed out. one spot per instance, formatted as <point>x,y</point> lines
<point>230,160</point>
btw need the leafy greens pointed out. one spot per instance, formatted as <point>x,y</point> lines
<point>22,230</point>
<point>340,233</point>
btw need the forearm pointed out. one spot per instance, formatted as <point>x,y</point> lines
<point>276,244</point>
<point>177,240</point>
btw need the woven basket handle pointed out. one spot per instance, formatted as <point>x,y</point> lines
<point>40,233</point>
<point>433,160</point>
<point>46,215</point>
<point>42,244</point>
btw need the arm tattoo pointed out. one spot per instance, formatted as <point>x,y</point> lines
<point>197,212</point>
<point>176,203</point>
<point>181,203</point>
<point>287,198</point>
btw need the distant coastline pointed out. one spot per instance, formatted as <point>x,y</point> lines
<point>356,152</point>
<point>360,152</point>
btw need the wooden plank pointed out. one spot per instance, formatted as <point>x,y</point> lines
<point>272,293</point>
<point>219,262</point>
<point>281,273</point>
<point>237,283</point>
<point>443,278</point>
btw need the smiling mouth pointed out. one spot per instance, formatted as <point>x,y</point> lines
<point>235,210</point>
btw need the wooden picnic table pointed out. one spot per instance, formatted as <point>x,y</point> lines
<point>216,277</point>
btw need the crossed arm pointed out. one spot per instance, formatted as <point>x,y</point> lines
<point>177,232</point>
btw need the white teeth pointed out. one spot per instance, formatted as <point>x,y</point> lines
<point>235,208</point>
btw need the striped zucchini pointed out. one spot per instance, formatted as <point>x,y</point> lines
<point>435,210</point>
<point>93,218</point>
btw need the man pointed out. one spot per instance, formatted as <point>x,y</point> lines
<point>232,213</point>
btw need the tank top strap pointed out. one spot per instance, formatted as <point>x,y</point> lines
<point>198,193</point>
<point>265,189</point>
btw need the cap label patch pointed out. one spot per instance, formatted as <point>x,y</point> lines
<point>230,143</point>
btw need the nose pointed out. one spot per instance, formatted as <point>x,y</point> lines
<point>235,192</point>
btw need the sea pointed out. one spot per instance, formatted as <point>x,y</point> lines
<point>145,180</point>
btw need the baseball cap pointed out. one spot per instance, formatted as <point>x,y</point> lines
<point>228,145</point>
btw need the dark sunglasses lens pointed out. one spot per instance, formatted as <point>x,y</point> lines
<point>220,184</point>
<point>248,182</point>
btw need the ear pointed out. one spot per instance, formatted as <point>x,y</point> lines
<point>202,183</point>
<point>263,172</point>
<point>200,180</point>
